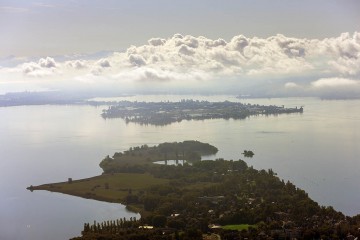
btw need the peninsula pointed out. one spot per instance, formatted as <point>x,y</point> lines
<point>201,199</point>
<point>132,170</point>
<point>163,113</point>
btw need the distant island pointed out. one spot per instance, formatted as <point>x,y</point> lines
<point>152,113</point>
<point>163,113</point>
<point>29,98</point>
<point>204,199</point>
<point>41,98</point>
<point>34,98</point>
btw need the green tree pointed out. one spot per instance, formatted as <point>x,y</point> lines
<point>248,153</point>
<point>159,221</point>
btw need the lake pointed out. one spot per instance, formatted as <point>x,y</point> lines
<point>318,151</point>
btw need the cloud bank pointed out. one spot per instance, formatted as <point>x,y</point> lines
<point>274,66</point>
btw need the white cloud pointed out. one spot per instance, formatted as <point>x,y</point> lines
<point>104,63</point>
<point>184,49</point>
<point>44,67</point>
<point>336,88</point>
<point>76,64</point>
<point>47,62</point>
<point>347,66</point>
<point>334,83</point>
<point>214,43</point>
<point>263,63</point>
<point>137,60</point>
<point>291,85</point>
<point>156,41</point>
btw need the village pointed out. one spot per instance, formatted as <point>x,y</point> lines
<point>163,113</point>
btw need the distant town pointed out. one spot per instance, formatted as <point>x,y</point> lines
<point>163,113</point>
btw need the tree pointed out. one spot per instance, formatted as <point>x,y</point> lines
<point>193,233</point>
<point>150,203</point>
<point>175,223</point>
<point>248,153</point>
<point>159,221</point>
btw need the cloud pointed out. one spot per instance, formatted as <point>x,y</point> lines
<point>262,65</point>
<point>137,60</point>
<point>156,41</point>
<point>44,67</point>
<point>76,64</point>
<point>214,43</point>
<point>146,74</point>
<point>334,83</point>
<point>336,88</point>
<point>189,41</point>
<point>348,66</point>
<point>104,63</point>
<point>184,49</point>
<point>47,62</point>
<point>291,85</point>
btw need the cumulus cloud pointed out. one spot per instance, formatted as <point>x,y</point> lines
<point>156,41</point>
<point>184,49</point>
<point>336,88</point>
<point>292,64</point>
<point>44,67</point>
<point>137,60</point>
<point>47,62</point>
<point>76,64</point>
<point>334,83</point>
<point>104,63</point>
<point>348,66</point>
<point>275,56</point>
<point>214,43</point>
<point>189,41</point>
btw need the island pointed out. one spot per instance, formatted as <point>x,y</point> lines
<point>163,113</point>
<point>41,98</point>
<point>201,199</point>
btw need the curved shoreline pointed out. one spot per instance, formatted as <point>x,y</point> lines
<point>112,188</point>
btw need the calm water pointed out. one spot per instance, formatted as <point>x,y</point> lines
<point>318,150</point>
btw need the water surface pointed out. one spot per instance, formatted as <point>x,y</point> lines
<point>317,150</point>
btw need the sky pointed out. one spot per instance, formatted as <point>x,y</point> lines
<point>249,47</point>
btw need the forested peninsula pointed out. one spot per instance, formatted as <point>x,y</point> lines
<point>202,199</point>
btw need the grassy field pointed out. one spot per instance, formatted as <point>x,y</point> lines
<point>238,227</point>
<point>109,187</point>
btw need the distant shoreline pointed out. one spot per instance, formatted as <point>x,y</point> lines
<point>64,98</point>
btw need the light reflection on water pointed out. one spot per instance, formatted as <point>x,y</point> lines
<point>317,150</point>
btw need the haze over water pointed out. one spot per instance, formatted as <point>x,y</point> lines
<point>318,151</point>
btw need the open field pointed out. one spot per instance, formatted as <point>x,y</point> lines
<point>238,227</point>
<point>106,187</point>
